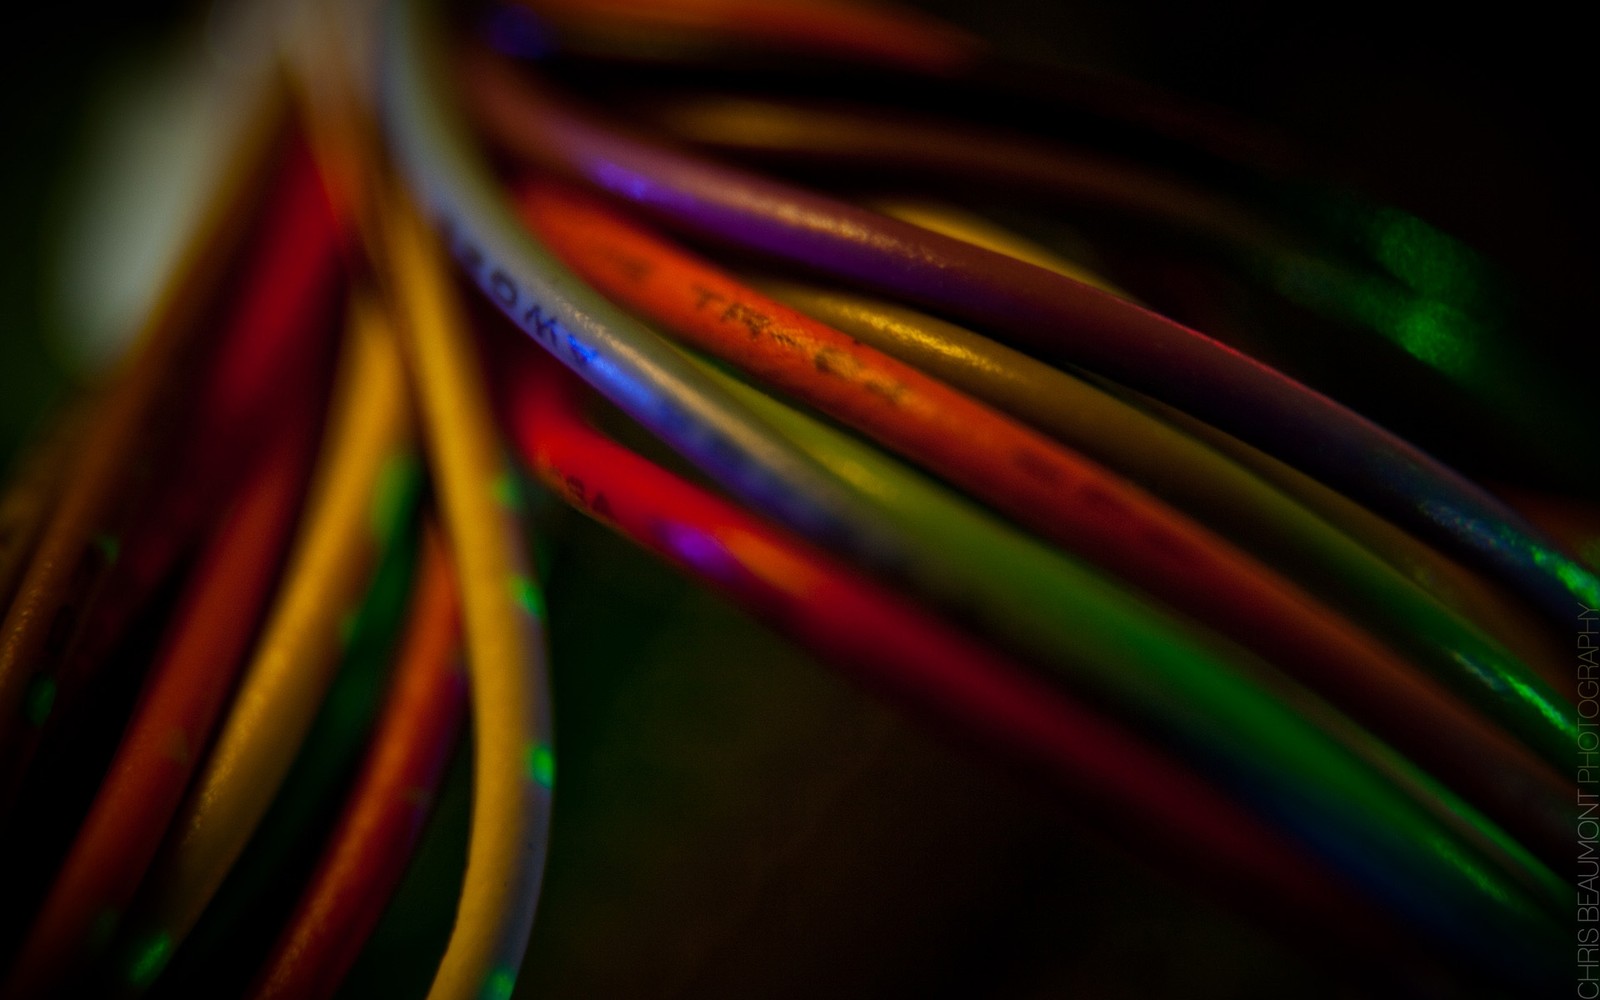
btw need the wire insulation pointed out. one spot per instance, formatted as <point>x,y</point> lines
<point>1101,333</point>
<point>184,694</point>
<point>1075,504</point>
<point>369,431</point>
<point>1240,505</point>
<point>513,750</point>
<point>383,815</point>
<point>1307,759</point>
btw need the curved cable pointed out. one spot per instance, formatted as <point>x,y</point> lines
<point>1074,503</point>
<point>81,542</point>
<point>878,637</point>
<point>328,754</point>
<point>204,648</point>
<point>503,610</point>
<point>1099,332</point>
<point>367,851</point>
<point>1313,770</point>
<point>369,432</point>
<point>1233,501</point>
<point>629,364</point>
<point>879,35</point>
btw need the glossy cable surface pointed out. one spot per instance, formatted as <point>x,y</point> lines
<point>186,691</point>
<point>1086,326</point>
<point>1196,479</point>
<point>309,794</point>
<point>881,638</point>
<point>1072,502</point>
<point>1310,769</point>
<point>366,853</point>
<point>629,364</point>
<point>503,614</point>
<point>368,432</point>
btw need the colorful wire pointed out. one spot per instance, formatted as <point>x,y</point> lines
<point>81,542</point>
<point>294,660</point>
<point>1238,504</point>
<point>273,328</point>
<point>881,638</point>
<point>513,749</point>
<point>880,35</point>
<point>629,364</point>
<point>384,811</point>
<point>219,947</point>
<point>1052,313</point>
<point>1300,760</point>
<point>1396,793</point>
<point>185,692</point>
<point>1075,504</point>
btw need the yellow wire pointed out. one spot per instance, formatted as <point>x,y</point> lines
<point>1440,576</point>
<point>369,435</point>
<point>513,758</point>
<point>1471,595</point>
<point>1249,496</point>
<point>512,762</point>
<point>972,228</point>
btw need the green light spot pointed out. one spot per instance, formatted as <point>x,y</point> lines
<point>150,960</point>
<point>1580,583</point>
<point>110,547</point>
<point>1424,258</point>
<point>392,495</point>
<point>39,700</point>
<point>541,765</point>
<point>525,593</point>
<point>1436,335</point>
<point>500,985</point>
<point>1553,713</point>
<point>1428,328</point>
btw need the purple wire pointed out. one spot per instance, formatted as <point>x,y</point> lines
<point>1051,313</point>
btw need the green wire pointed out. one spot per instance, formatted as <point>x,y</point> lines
<point>1114,641</point>
<point>1226,496</point>
<point>1433,857</point>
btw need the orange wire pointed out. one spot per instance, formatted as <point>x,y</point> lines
<point>177,711</point>
<point>876,636</point>
<point>1065,497</point>
<point>383,816</point>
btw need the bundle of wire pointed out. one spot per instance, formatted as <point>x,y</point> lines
<point>263,579</point>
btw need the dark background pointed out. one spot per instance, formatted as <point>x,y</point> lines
<point>825,867</point>
<point>1477,118</point>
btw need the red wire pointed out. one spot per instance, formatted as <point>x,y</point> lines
<point>880,35</point>
<point>274,331</point>
<point>204,648</point>
<point>1067,498</point>
<point>885,641</point>
<point>383,816</point>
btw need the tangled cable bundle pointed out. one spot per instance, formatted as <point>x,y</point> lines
<point>1039,404</point>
